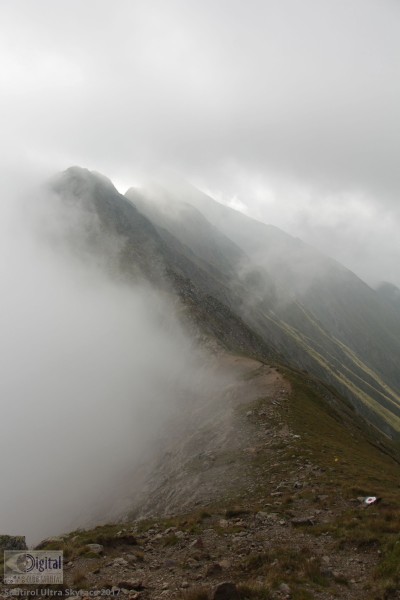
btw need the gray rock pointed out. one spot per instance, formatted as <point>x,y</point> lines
<point>95,548</point>
<point>170,564</point>
<point>169,530</point>
<point>284,588</point>
<point>337,575</point>
<point>132,558</point>
<point>180,534</point>
<point>120,562</point>
<point>302,521</point>
<point>197,543</point>
<point>261,515</point>
<point>272,516</point>
<point>12,542</point>
<point>225,564</point>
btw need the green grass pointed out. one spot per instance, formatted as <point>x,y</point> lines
<point>106,535</point>
<point>170,540</point>
<point>355,460</point>
<point>288,564</point>
<point>348,451</point>
<point>389,568</point>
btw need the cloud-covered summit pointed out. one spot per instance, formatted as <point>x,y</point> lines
<point>290,110</point>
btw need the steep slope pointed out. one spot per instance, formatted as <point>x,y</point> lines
<point>108,220</point>
<point>390,293</point>
<point>264,494</point>
<point>252,288</point>
<point>261,486</point>
<point>191,228</point>
<point>319,315</point>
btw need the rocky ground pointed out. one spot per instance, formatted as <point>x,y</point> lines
<point>247,501</point>
<point>252,549</point>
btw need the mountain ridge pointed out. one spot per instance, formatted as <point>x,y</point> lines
<point>302,307</point>
<point>256,488</point>
<point>296,304</point>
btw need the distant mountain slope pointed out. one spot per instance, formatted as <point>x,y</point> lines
<point>190,227</point>
<point>390,293</point>
<point>318,314</point>
<point>161,259</point>
<point>253,288</point>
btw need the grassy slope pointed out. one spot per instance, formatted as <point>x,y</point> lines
<point>333,361</point>
<point>356,462</point>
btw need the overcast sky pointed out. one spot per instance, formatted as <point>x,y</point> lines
<point>287,110</point>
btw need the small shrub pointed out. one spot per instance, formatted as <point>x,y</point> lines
<point>79,578</point>
<point>253,591</point>
<point>256,562</point>
<point>170,540</point>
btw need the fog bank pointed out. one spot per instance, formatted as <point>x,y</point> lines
<point>92,370</point>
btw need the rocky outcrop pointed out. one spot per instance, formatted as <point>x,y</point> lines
<point>12,542</point>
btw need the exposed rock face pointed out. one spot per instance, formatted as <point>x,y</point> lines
<point>49,540</point>
<point>12,542</point>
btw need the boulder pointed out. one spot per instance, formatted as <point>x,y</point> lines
<point>285,589</point>
<point>303,521</point>
<point>95,548</point>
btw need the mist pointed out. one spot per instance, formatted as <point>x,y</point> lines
<point>289,111</point>
<point>93,370</point>
<point>284,267</point>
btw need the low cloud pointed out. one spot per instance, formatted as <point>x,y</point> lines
<point>93,369</point>
<point>306,93</point>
